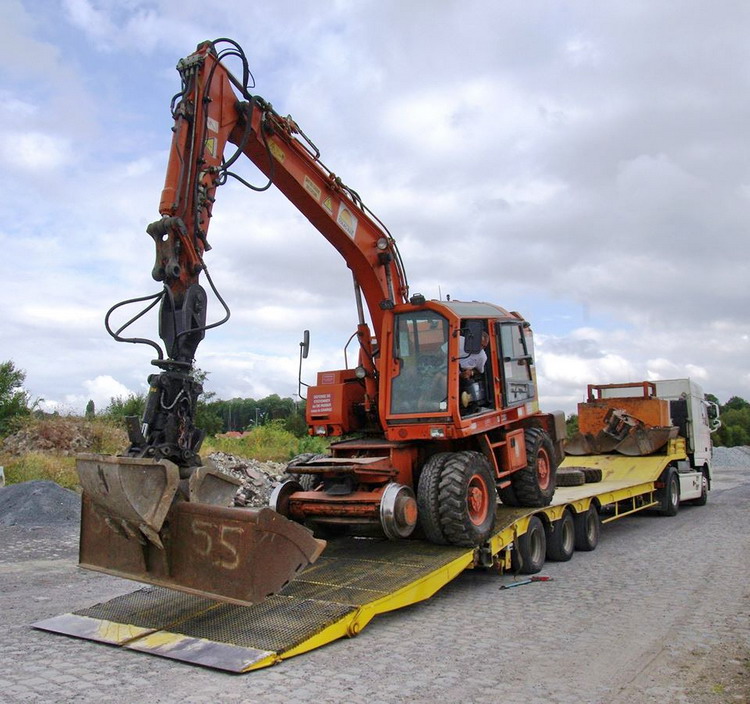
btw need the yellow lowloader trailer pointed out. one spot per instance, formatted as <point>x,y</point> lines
<point>358,578</point>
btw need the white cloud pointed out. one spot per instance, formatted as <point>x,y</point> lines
<point>34,151</point>
<point>588,160</point>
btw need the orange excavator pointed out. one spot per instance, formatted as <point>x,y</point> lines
<point>439,418</point>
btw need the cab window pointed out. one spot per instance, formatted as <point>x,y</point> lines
<point>421,352</point>
<point>517,357</point>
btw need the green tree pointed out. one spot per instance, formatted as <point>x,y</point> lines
<point>735,423</point>
<point>571,425</point>
<point>132,405</point>
<point>735,404</point>
<point>14,400</point>
<point>90,409</point>
<point>206,416</point>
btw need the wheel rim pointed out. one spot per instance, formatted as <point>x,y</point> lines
<point>568,538</point>
<point>477,500</point>
<point>543,469</point>
<point>675,493</point>
<point>536,547</point>
<point>591,527</point>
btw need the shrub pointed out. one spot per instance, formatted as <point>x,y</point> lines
<point>270,442</point>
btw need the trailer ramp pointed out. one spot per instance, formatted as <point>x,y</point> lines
<point>353,581</point>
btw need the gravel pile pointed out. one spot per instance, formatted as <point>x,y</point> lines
<point>732,456</point>
<point>39,503</point>
<point>258,478</point>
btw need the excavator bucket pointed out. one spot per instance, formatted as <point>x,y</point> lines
<point>645,441</point>
<point>140,521</point>
<point>580,444</point>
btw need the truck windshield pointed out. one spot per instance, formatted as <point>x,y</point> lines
<point>421,351</point>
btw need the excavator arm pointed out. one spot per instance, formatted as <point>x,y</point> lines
<point>156,514</point>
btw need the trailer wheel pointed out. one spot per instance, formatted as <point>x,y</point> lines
<point>670,494</point>
<point>467,499</point>
<point>702,500</point>
<point>531,549</point>
<point>587,526</point>
<point>535,483</point>
<point>560,536</point>
<point>428,498</point>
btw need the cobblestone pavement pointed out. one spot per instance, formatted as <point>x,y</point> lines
<point>658,613</point>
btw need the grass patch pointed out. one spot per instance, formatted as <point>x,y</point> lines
<point>268,443</point>
<point>40,465</point>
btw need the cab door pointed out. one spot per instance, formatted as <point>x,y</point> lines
<point>516,360</point>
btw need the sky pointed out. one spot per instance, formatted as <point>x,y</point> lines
<point>584,163</point>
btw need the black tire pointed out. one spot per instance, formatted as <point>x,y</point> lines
<point>508,496</point>
<point>570,477</point>
<point>308,482</point>
<point>587,528</point>
<point>561,538</point>
<point>592,474</point>
<point>670,494</point>
<point>428,498</point>
<point>530,549</point>
<point>467,499</point>
<point>534,485</point>
<point>702,500</point>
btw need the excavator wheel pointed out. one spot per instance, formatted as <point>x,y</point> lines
<point>467,499</point>
<point>508,496</point>
<point>428,499</point>
<point>534,484</point>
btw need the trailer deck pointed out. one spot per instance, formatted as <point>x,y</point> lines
<point>353,581</point>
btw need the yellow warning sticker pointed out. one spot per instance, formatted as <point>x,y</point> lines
<point>211,146</point>
<point>347,221</point>
<point>277,151</point>
<point>311,188</point>
<point>328,205</point>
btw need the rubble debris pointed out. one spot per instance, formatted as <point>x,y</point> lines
<point>258,478</point>
<point>65,436</point>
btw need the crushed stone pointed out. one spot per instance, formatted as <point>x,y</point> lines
<point>39,503</point>
<point>732,456</point>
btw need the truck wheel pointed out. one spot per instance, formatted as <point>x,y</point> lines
<point>535,483</point>
<point>428,498</point>
<point>467,499</point>
<point>670,494</point>
<point>587,527</point>
<point>531,549</point>
<point>561,538</point>
<point>702,500</point>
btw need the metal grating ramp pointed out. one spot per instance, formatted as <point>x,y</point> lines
<point>355,579</point>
